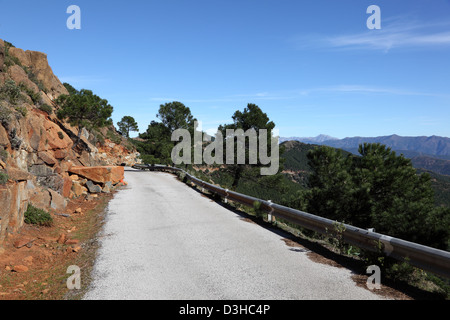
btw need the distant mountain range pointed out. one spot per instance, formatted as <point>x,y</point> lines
<point>313,140</point>
<point>296,167</point>
<point>430,153</point>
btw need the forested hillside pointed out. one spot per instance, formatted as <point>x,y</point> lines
<point>297,168</point>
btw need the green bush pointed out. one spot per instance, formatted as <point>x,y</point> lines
<point>257,209</point>
<point>3,153</point>
<point>3,178</point>
<point>9,59</point>
<point>35,96</point>
<point>22,110</point>
<point>37,216</point>
<point>149,159</point>
<point>11,91</point>
<point>32,76</point>
<point>5,114</point>
<point>97,137</point>
<point>116,138</point>
<point>46,108</point>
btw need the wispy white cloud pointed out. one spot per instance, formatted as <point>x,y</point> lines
<point>365,89</point>
<point>388,39</point>
<point>304,92</point>
<point>397,32</point>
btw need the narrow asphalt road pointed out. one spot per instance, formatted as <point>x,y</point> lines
<point>164,240</point>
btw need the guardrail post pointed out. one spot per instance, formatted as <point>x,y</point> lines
<point>226,196</point>
<point>269,215</point>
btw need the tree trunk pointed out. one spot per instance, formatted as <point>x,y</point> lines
<point>237,176</point>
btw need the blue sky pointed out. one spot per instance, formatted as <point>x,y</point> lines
<point>313,66</point>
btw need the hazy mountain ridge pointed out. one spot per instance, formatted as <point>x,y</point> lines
<point>310,140</point>
<point>297,169</point>
<point>430,153</point>
<point>434,145</point>
<point>423,145</point>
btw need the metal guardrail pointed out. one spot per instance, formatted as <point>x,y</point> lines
<point>424,257</point>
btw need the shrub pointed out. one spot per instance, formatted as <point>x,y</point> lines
<point>22,110</point>
<point>32,76</point>
<point>257,209</point>
<point>3,178</point>
<point>37,216</point>
<point>35,96</point>
<point>11,91</point>
<point>97,137</point>
<point>5,114</point>
<point>114,137</point>
<point>46,108</point>
<point>10,60</point>
<point>3,153</point>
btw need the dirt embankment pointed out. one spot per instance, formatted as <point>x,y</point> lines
<point>35,262</point>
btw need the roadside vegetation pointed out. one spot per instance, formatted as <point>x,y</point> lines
<point>37,216</point>
<point>377,189</point>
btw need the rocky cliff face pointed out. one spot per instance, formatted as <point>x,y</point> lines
<point>36,148</point>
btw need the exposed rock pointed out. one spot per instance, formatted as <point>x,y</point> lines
<point>4,138</point>
<point>41,170</point>
<point>106,189</point>
<point>67,187</point>
<point>58,202</point>
<point>40,198</point>
<point>47,157</point>
<point>20,76</point>
<point>44,73</point>
<point>23,58</point>
<point>19,243</point>
<point>17,174</point>
<point>20,268</point>
<point>13,202</point>
<point>36,148</point>
<point>100,174</point>
<point>61,153</point>
<point>93,188</point>
<point>78,189</point>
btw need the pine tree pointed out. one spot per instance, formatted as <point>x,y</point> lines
<point>377,190</point>
<point>126,125</point>
<point>84,109</point>
<point>252,118</point>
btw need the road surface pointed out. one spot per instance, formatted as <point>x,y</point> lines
<point>164,240</point>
